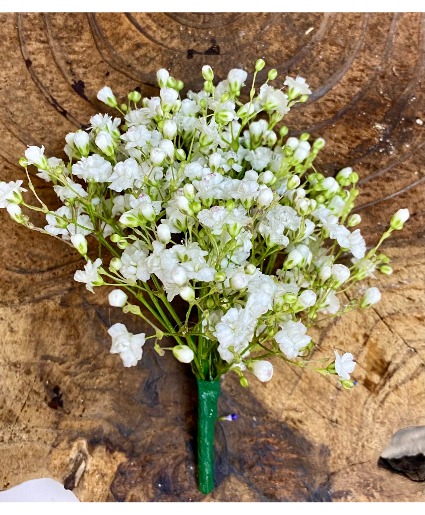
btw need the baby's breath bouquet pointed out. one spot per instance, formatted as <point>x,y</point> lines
<point>201,200</point>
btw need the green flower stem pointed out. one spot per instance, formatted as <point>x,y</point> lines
<point>208,393</point>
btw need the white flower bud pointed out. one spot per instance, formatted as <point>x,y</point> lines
<point>319,143</point>
<point>35,156</point>
<point>82,142</point>
<point>330,185</point>
<point>80,243</point>
<point>164,233</point>
<point>340,274</point>
<point>306,254</point>
<point>162,76</point>
<point>302,151</point>
<point>257,129</point>
<point>371,296</point>
<point>307,298</point>
<point>106,96</point>
<point>303,206</point>
<point>207,73</point>
<point>148,211</point>
<point>117,298</point>
<point>129,219</point>
<point>220,277</point>
<point>398,219</point>
<point>294,258</point>
<point>325,273</point>
<point>179,275</point>
<point>15,212</point>
<point>250,269</point>
<point>189,191</point>
<point>224,117</point>
<point>343,177</point>
<point>270,138</point>
<point>293,182</point>
<point>265,197</point>
<point>354,220</point>
<point>157,156</point>
<point>292,142</point>
<point>105,142</point>
<point>263,370</point>
<point>169,130</point>
<point>187,293</point>
<point>239,281</point>
<point>167,146</point>
<point>236,78</point>
<point>180,154</point>
<point>266,177</point>
<point>115,263</point>
<point>183,353</point>
<point>183,203</point>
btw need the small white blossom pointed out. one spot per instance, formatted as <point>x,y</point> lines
<point>93,168</point>
<point>126,175</point>
<point>292,338</point>
<point>127,345</point>
<point>72,190</point>
<point>344,365</point>
<point>10,193</point>
<point>134,263</point>
<point>90,276</point>
<point>234,333</point>
<point>168,97</point>
<point>297,86</point>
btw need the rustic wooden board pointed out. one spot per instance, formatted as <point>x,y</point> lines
<point>68,407</point>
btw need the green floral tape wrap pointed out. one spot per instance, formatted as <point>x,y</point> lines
<point>208,392</point>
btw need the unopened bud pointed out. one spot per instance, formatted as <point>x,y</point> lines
<point>187,293</point>
<point>370,297</point>
<point>183,353</point>
<point>272,74</point>
<point>259,65</point>
<point>239,281</point>
<point>207,73</point>
<point>134,96</point>
<point>80,243</point>
<point>354,220</point>
<point>117,298</point>
<point>386,269</point>
<point>164,233</point>
<point>399,218</point>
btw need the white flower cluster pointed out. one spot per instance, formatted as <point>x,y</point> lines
<point>201,198</point>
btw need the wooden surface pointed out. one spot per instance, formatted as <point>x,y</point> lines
<point>69,410</point>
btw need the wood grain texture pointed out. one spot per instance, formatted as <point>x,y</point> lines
<point>69,410</point>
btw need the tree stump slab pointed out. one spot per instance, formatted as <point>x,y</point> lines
<point>70,411</point>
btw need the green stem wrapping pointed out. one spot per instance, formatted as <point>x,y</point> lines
<point>208,392</point>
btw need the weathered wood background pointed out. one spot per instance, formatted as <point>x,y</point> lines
<point>69,410</point>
